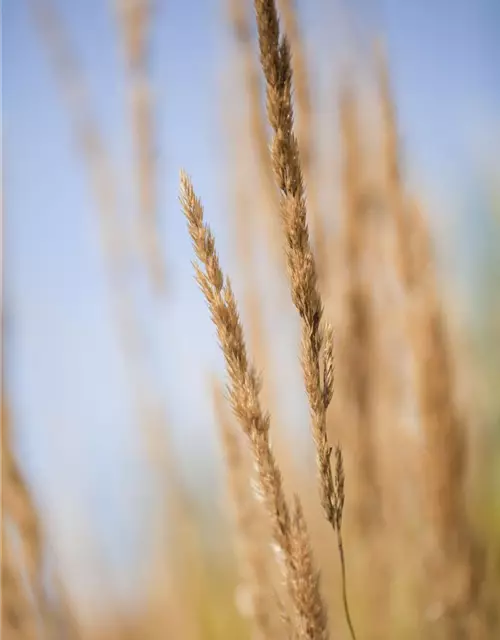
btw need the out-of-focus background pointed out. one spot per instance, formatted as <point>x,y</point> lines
<point>109,354</point>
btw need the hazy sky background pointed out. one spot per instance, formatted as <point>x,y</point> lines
<point>64,369</point>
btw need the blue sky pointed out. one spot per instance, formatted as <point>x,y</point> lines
<point>65,370</point>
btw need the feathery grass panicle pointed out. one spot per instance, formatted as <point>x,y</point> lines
<point>445,457</point>
<point>89,137</point>
<point>243,392</point>
<point>360,339</point>
<point>251,547</point>
<point>19,620</point>
<point>301,83</point>
<point>443,429</point>
<point>87,133</point>
<point>391,159</point>
<point>18,505</point>
<point>305,132</point>
<point>317,353</point>
<point>275,59</point>
<point>135,20</point>
<point>427,330</point>
<point>306,578</point>
<point>21,586</point>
